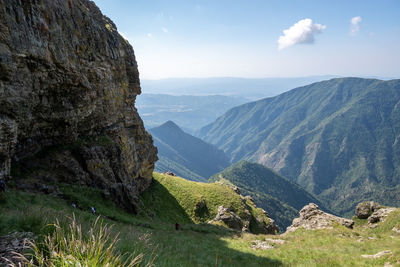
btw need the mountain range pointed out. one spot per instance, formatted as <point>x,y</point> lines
<point>339,139</point>
<point>253,88</point>
<point>186,155</point>
<point>188,111</point>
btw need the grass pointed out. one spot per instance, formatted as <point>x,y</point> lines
<point>156,239</point>
<point>73,247</point>
<point>193,202</point>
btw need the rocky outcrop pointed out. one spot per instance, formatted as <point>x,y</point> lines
<point>380,215</point>
<point>229,218</point>
<point>312,218</point>
<point>248,221</point>
<point>68,84</point>
<point>365,209</point>
<point>372,211</point>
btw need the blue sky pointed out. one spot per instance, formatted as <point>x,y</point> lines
<point>221,38</point>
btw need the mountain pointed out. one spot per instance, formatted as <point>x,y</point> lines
<point>336,138</point>
<point>186,155</point>
<point>253,88</point>
<point>281,198</point>
<point>189,111</point>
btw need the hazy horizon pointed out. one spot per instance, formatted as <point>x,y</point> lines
<point>260,38</point>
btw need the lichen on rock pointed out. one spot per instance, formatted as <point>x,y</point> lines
<point>67,75</point>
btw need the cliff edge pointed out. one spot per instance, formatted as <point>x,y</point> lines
<point>68,84</point>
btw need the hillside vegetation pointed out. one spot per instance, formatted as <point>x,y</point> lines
<point>338,139</point>
<point>281,198</point>
<point>186,155</point>
<point>196,244</point>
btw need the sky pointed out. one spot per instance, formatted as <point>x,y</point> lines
<point>260,38</point>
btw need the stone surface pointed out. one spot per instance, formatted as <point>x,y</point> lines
<point>8,140</point>
<point>16,242</point>
<point>275,241</point>
<point>380,215</point>
<point>68,84</point>
<point>246,222</point>
<point>257,244</point>
<point>229,217</point>
<point>268,243</point>
<point>377,255</point>
<point>269,228</point>
<point>394,229</point>
<point>365,209</point>
<point>312,218</point>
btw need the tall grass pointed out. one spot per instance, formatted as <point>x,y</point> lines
<point>73,247</point>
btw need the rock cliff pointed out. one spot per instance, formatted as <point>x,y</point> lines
<point>68,84</point>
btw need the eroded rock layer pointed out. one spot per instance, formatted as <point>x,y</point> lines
<point>68,84</point>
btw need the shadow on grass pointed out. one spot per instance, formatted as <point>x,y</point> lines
<point>159,204</point>
<point>195,245</point>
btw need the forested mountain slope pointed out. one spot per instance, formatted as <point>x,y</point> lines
<point>186,155</point>
<point>281,198</point>
<point>336,138</point>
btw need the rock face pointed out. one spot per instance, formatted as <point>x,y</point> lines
<point>365,209</point>
<point>311,218</point>
<point>227,216</point>
<point>68,84</point>
<point>247,222</point>
<point>380,215</point>
<point>372,211</point>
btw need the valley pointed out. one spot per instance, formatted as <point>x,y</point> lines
<point>256,158</point>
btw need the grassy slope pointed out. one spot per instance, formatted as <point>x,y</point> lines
<point>180,197</point>
<point>336,138</point>
<point>197,245</point>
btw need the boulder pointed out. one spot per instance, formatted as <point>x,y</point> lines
<point>312,218</point>
<point>229,218</point>
<point>365,209</point>
<point>268,228</point>
<point>380,215</point>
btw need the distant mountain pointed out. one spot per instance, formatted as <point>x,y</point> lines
<point>186,155</point>
<point>281,198</point>
<point>339,139</point>
<point>188,111</point>
<point>253,88</point>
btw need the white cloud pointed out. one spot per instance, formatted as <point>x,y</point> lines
<point>165,30</point>
<point>301,32</point>
<point>355,25</point>
<point>149,35</point>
